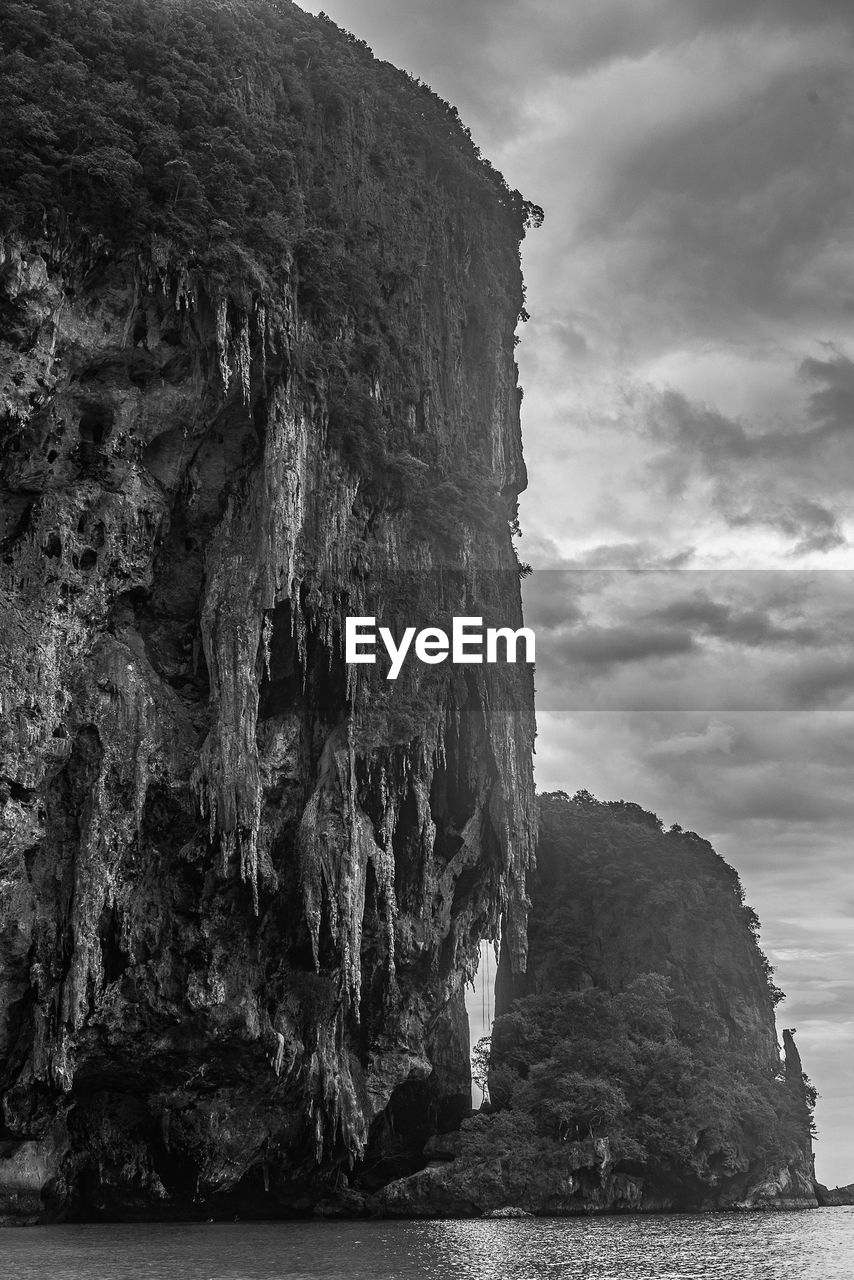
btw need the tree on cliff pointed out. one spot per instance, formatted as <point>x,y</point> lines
<point>480,1065</point>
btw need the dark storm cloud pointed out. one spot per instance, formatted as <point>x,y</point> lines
<point>570,337</point>
<point>688,170</point>
<point>825,681</point>
<point>630,555</point>
<point>612,556</point>
<point>703,218</point>
<point>775,790</point>
<point>776,795</point>
<point>459,34</point>
<point>831,405</point>
<point>594,646</point>
<point>777,12</point>
<point>709,225</point>
<point>808,525</point>
<point>761,476</point>
<point>684,639</point>
<point>751,627</point>
<point>552,600</point>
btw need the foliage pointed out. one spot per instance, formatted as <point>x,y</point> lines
<point>653,1061</point>
<point>591,1064</point>
<point>190,120</point>
<point>480,1064</point>
<point>618,891</point>
<point>266,153</point>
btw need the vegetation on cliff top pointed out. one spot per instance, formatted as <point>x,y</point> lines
<point>257,153</point>
<point>626,1031</point>
<point>195,121</point>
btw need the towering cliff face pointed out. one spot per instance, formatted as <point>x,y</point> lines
<point>243,883</point>
<point>634,1065</point>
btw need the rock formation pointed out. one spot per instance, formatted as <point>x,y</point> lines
<point>257,375</point>
<point>635,1063</point>
<point>834,1197</point>
<point>632,899</point>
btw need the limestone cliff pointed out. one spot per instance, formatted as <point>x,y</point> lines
<point>634,1065</point>
<point>242,397</point>
<point>834,1197</point>
<point>615,897</point>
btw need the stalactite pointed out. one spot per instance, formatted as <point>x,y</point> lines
<point>263,335</point>
<point>243,359</point>
<point>222,343</point>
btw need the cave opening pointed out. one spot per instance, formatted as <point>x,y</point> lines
<point>280,686</point>
<point>399,1135</point>
<point>114,957</point>
<point>94,426</point>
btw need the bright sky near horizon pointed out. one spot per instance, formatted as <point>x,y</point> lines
<point>689,430</point>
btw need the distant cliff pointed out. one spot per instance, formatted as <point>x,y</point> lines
<point>258,295</point>
<point>635,1065</point>
<point>834,1197</point>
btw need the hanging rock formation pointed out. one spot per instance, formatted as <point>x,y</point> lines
<point>259,295</point>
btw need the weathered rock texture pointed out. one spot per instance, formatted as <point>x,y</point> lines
<point>243,884</point>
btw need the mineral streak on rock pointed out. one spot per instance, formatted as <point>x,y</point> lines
<point>243,885</point>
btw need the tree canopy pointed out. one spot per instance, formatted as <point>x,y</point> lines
<point>624,1029</point>
<point>198,122</point>
<point>265,156</point>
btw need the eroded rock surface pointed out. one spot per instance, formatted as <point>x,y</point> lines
<point>243,884</point>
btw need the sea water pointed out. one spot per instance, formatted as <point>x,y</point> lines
<point>811,1245</point>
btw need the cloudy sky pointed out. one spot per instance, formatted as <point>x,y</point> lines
<point>689,429</point>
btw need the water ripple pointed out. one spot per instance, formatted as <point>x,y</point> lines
<point>817,1245</point>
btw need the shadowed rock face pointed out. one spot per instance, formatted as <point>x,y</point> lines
<point>243,884</point>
